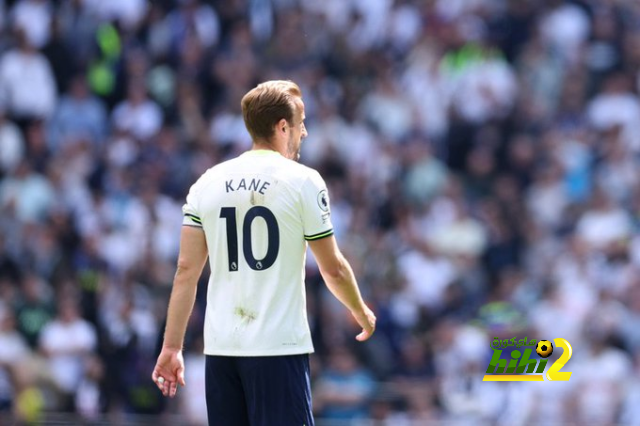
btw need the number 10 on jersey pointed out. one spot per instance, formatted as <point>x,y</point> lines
<point>273,237</point>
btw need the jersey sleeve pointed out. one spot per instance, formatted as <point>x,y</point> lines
<point>190,209</point>
<point>316,211</point>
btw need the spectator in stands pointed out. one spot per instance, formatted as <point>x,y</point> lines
<point>344,389</point>
<point>27,86</point>
<point>67,342</point>
<point>79,116</point>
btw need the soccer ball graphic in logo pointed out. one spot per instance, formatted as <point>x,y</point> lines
<point>544,348</point>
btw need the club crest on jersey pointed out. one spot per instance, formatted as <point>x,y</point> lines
<point>323,200</point>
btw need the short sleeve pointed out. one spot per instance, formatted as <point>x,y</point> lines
<point>190,210</point>
<point>316,212</point>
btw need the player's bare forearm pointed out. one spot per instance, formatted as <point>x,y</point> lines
<point>193,254</point>
<point>338,275</point>
<point>169,369</point>
<point>183,297</point>
<point>342,283</point>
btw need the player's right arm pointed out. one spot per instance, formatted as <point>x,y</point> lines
<point>169,369</point>
<point>338,275</point>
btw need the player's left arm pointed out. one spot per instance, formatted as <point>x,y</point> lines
<point>191,260</point>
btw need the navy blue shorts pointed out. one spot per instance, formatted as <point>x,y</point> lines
<point>259,391</point>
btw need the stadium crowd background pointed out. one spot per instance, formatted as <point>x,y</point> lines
<point>483,160</point>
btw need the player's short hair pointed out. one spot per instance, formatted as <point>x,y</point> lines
<point>266,104</point>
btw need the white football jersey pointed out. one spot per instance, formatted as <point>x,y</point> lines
<point>258,211</point>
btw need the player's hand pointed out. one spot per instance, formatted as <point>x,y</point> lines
<point>367,320</point>
<point>169,371</point>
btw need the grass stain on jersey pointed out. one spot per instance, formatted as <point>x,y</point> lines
<point>245,314</point>
<point>256,198</point>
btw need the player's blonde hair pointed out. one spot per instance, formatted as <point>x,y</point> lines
<point>266,104</point>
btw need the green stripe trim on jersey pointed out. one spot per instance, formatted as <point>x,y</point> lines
<point>193,217</point>
<point>319,236</point>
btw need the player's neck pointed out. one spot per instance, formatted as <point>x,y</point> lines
<point>265,146</point>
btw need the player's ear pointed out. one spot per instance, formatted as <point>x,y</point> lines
<point>282,125</point>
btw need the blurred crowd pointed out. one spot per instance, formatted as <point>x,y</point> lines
<point>483,163</point>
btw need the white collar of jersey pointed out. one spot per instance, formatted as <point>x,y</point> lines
<point>261,152</point>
